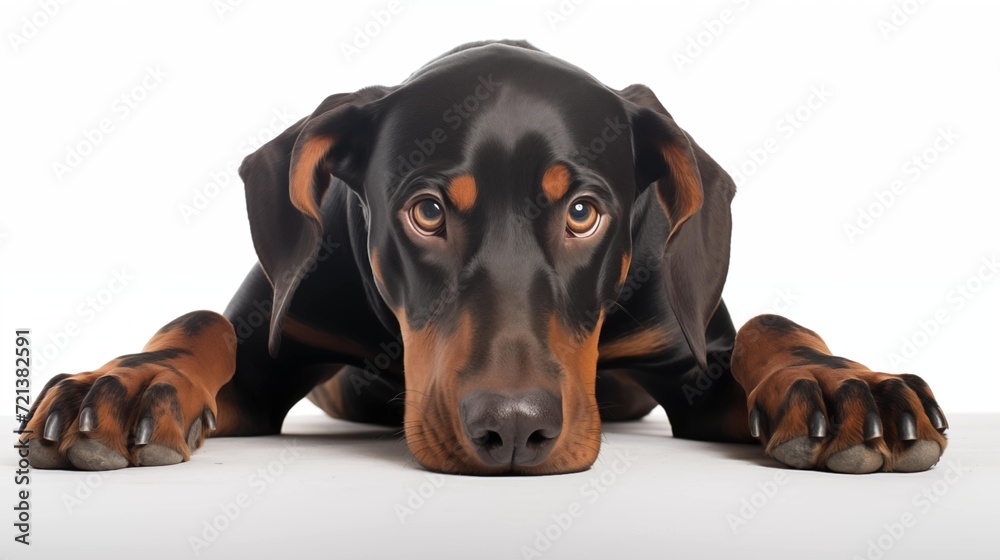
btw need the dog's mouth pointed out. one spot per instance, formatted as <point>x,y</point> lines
<point>470,414</point>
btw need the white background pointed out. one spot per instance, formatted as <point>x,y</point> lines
<point>338,489</point>
<point>63,236</point>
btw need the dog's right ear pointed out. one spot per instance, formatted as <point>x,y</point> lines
<point>695,193</point>
<point>285,181</point>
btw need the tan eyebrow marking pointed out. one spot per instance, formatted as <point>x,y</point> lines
<point>462,192</point>
<point>555,182</point>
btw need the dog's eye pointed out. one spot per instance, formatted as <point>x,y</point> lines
<point>428,216</point>
<point>582,219</point>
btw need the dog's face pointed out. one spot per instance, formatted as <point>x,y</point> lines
<point>497,242</point>
<point>498,185</point>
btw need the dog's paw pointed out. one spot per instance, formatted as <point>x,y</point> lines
<point>845,418</point>
<point>123,415</point>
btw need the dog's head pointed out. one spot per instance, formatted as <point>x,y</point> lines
<point>499,186</point>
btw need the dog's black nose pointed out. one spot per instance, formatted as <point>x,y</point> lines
<point>512,429</point>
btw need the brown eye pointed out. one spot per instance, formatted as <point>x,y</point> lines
<point>428,216</point>
<point>581,219</point>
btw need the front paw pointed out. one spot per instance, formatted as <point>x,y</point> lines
<point>120,416</point>
<point>836,414</point>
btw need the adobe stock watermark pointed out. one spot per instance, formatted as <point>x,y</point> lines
<point>583,155</point>
<point>258,482</point>
<point>922,502</point>
<point>260,310</point>
<point>711,29</point>
<point>223,8</point>
<point>454,117</point>
<point>557,14</point>
<point>124,105</point>
<point>751,505</point>
<point>391,350</point>
<point>915,167</point>
<point>87,312</point>
<point>898,16</point>
<point>960,296</point>
<point>786,127</point>
<point>590,492</point>
<point>84,490</point>
<point>30,25</point>
<point>639,274</point>
<point>366,32</point>
<point>418,497</point>
<point>228,174</point>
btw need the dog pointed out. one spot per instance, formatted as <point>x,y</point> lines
<point>499,254</point>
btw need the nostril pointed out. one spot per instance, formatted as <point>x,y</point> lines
<point>539,438</point>
<point>489,440</point>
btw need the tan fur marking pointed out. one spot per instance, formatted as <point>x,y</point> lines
<point>462,192</point>
<point>301,188</point>
<point>636,344</point>
<point>555,182</point>
<point>307,334</point>
<point>433,424</point>
<point>578,357</point>
<point>375,267</point>
<point>626,263</point>
<point>689,196</point>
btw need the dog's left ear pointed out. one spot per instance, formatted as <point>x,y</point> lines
<point>695,193</point>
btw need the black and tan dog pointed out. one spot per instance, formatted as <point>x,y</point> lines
<point>497,254</point>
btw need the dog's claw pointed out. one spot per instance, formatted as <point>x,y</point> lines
<point>194,433</point>
<point>87,420</point>
<point>755,422</point>
<point>817,424</point>
<point>209,418</point>
<point>937,419</point>
<point>873,426</point>
<point>52,427</point>
<point>144,432</point>
<point>907,427</point>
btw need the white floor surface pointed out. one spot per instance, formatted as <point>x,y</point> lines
<point>330,489</point>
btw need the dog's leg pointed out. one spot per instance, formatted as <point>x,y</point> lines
<point>705,405</point>
<point>196,377</point>
<point>356,395</point>
<point>265,388</point>
<point>150,408</point>
<point>811,409</point>
<point>620,398</point>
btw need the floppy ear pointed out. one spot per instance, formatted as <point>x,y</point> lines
<point>285,181</point>
<point>695,193</point>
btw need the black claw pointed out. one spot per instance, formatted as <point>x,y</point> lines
<point>907,427</point>
<point>755,422</point>
<point>87,419</point>
<point>209,418</point>
<point>52,427</point>
<point>144,432</point>
<point>873,425</point>
<point>817,424</point>
<point>194,433</point>
<point>937,419</point>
